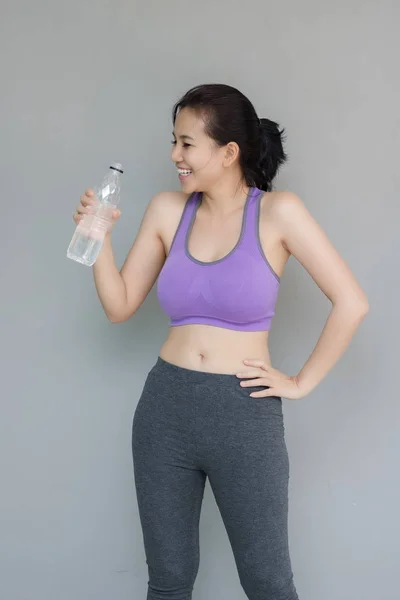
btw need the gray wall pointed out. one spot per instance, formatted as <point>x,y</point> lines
<point>88,83</point>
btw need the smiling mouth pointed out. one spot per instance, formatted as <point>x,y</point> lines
<point>184,172</point>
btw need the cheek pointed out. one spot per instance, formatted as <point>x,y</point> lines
<point>205,163</point>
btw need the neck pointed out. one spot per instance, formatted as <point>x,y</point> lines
<point>225,196</point>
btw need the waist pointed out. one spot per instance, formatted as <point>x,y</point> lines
<point>214,349</point>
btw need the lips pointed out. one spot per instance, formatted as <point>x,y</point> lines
<point>184,172</point>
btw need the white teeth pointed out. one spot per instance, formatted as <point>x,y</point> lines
<point>184,172</point>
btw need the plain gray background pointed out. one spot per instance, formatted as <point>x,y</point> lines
<point>84,84</point>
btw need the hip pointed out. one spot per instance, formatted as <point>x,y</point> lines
<point>176,396</point>
<point>207,416</point>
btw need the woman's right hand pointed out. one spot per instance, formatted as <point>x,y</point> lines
<point>88,201</point>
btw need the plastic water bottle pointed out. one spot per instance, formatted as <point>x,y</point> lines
<point>89,234</point>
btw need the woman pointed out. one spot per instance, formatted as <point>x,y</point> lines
<point>212,403</point>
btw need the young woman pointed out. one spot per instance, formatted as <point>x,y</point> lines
<point>212,403</point>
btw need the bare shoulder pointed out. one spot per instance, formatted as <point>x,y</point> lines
<point>169,199</point>
<point>284,204</point>
<point>167,208</point>
<point>289,214</point>
<point>279,204</point>
<point>163,206</point>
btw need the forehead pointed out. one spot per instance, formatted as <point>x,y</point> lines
<point>189,122</point>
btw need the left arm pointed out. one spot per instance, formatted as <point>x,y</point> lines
<point>307,242</point>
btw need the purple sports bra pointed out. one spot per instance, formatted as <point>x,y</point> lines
<point>237,291</point>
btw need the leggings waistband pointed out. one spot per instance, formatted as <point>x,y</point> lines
<point>191,375</point>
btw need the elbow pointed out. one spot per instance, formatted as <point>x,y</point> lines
<point>113,319</point>
<point>365,308</point>
<point>119,317</point>
<point>357,308</point>
<point>353,302</point>
<point>116,318</point>
<point>360,312</point>
<point>363,305</point>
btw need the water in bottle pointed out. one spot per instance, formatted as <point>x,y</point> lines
<point>89,235</point>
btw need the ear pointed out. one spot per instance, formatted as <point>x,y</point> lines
<point>231,153</point>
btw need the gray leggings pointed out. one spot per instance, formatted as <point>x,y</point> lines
<point>189,425</point>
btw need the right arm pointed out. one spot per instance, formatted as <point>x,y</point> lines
<point>122,292</point>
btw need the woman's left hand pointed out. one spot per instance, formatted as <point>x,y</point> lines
<point>278,383</point>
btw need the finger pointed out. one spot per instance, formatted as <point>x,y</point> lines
<point>254,382</point>
<point>251,373</point>
<point>267,393</point>
<point>255,363</point>
<point>88,198</point>
<point>116,214</point>
<point>87,202</point>
<point>82,210</point>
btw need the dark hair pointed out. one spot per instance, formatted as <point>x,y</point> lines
<point>231,117</point>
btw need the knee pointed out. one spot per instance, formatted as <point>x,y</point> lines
<point>171,581</point>
<point>169,592</point>
<point>268,586</point>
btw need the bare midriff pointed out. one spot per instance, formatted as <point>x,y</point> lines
<point>214,349</point>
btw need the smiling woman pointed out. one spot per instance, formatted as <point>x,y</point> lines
<point>212,403</point>
<point>233,120</point>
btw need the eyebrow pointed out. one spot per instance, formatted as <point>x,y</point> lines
<point>188,137</point>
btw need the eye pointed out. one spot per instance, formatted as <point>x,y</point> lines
<point>185,145</point>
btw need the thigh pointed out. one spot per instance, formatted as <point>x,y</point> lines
<point>169,485</point>
<point>249,479</point>
<point>251,490</point>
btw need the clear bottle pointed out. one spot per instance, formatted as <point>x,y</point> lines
<point>89,235</point>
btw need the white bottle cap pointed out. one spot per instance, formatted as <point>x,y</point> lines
<point>117,167</point>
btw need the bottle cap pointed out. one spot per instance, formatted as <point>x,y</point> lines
<point>117,167</point>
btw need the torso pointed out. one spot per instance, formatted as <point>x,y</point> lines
<point>204,347</point>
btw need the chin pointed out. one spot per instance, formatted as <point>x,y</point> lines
<point>188,186</point>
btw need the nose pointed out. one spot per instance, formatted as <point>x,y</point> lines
<point>176,155</point>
